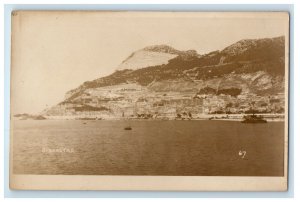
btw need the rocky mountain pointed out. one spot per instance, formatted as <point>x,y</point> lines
<point>153,56</point>
<point>164,82</point>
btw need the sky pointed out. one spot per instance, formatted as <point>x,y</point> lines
<point>54,52</point>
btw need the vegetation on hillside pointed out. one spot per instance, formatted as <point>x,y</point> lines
<point>246,56</point>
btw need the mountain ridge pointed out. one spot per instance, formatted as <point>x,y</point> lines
<point>249,66</point>
<point>153,55</point>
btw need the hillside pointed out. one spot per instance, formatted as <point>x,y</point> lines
<point>153,56</point>
<point>162,74</point>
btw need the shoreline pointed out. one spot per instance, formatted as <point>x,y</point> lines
<point>281,119</point>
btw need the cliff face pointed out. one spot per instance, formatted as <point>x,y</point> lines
<point>153,56</point>
<point>163,82</point>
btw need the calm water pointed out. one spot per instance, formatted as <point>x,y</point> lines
<point>151,148</point>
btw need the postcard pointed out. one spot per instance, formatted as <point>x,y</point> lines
<point>127,100</point>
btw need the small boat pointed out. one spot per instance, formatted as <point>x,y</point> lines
<point>128,128</point>
<point>253,119</point>
<point>84,123</point>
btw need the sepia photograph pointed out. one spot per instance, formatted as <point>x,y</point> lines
<point>183,96</point>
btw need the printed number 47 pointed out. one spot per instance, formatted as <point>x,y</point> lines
<point>242,153</point>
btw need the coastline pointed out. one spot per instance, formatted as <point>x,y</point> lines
<point>211,117</point>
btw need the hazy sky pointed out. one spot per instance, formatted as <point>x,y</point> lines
<point>54,52</point>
